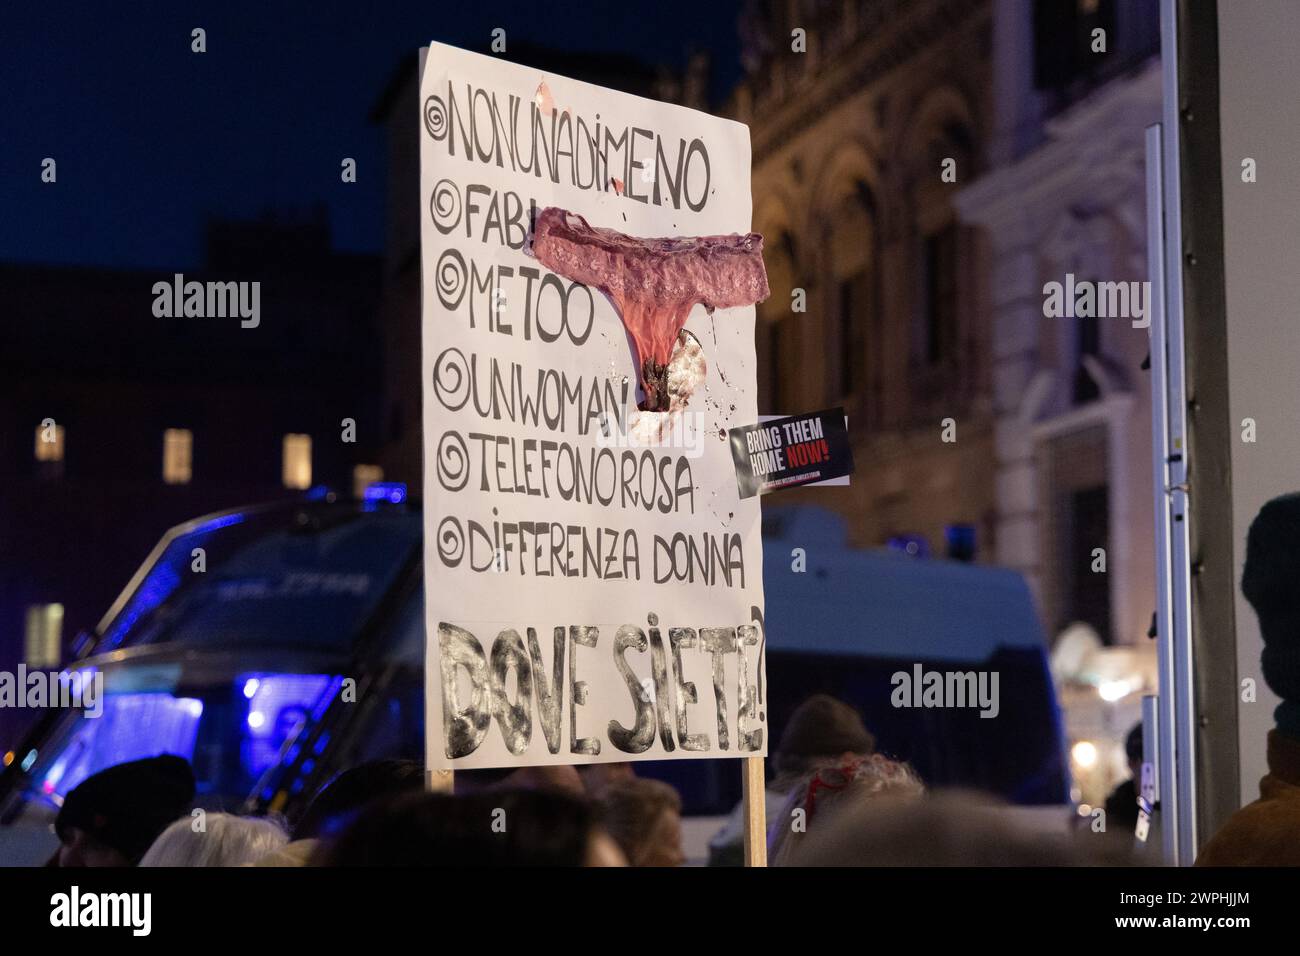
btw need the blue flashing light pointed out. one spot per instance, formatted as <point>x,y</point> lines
<point>393,492</point>
<point>912,545</point>
<point>317,493</point>
<point>278,707</point>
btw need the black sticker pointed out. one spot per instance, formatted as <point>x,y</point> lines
<point>788,452</point>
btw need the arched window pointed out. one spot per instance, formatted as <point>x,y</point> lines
<point>942,249</point>
<point>850,255</point>
<point>779,331</point>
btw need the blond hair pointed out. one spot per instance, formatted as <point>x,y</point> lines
<point>827,791</point>
<point>224,840</point>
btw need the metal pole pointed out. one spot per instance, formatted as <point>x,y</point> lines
<point>1165,724</point>
<point>1178,489</point>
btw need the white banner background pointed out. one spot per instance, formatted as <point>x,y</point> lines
<point>465,233</point>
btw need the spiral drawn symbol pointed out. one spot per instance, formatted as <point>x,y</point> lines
<point>453,461</point>
<point>451,541</point>
<point>449,274</point>
<point>451,379</point>
<point>435,117</point>
<point>444,204</point>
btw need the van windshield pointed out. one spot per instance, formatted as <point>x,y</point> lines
<point>287,578</point>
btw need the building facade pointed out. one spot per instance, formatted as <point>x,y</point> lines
<point>866,119</point>
<point>921,171</point>
<point>1064,196</point>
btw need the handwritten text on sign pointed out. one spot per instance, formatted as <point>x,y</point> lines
<point>585,585</point>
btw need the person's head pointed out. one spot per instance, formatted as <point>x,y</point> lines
<point>644,817</point>
<point>557,778</point>
<point>827,792</point>
<point>596,777</point>
<point>1268,582</point>
<point>215,839</point>
<point>339,801</point>
<point>492,828</point>
<point>1133,751</point>
<point>950,828</point>
<point>112,817</point>
<point>821,731</point>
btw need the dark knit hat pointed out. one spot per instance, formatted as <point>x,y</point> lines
<point>1133,744</point>
<point>1271,583</point>
<point>126,806</point>
<point>820,727</point>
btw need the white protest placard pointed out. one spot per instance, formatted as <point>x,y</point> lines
<point>593,593</point>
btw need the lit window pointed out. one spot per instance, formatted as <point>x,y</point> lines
<point>49,441</point>
<point>363,476</point>
<point>178,456</point>
<point>297,461</point>
<point>42,646</point>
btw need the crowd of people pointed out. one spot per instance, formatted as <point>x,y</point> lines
<point>833,800</point>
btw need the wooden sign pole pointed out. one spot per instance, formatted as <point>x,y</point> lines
<point>755,794</point>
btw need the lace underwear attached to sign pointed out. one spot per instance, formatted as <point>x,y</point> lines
<point>653,283</point>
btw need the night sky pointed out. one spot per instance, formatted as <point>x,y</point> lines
<point>150,138</point>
